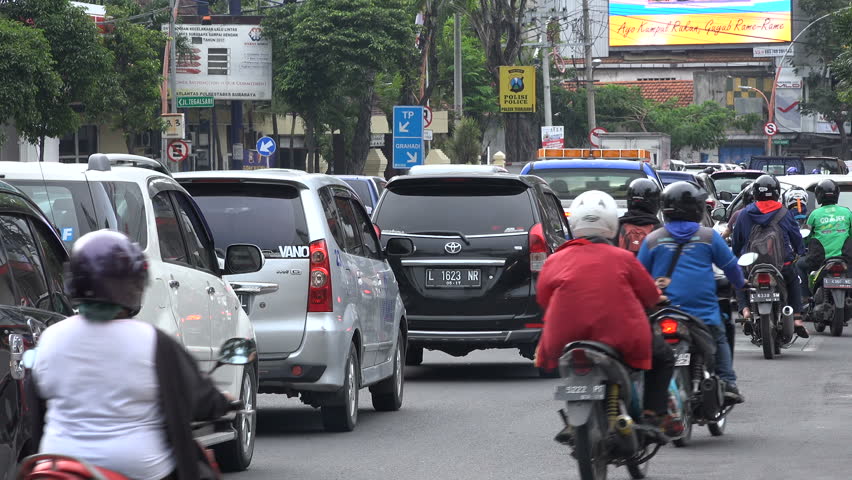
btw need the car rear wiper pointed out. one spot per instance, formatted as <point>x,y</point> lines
<point>445,232</point>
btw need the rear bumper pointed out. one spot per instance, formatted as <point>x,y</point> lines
<point>504,338</point>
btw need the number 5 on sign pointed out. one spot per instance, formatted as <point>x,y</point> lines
<point>174,125</point>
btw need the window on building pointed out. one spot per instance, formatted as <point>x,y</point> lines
<point>76,147</point>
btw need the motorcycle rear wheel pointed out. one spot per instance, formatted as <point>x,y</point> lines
<point>717,429</point>
<point>686,411</point>
<point>767,336</point>
<point>819,327</point>
<point>590,448</point>
<point>837,321</point>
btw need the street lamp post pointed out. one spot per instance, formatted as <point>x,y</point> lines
<point>769,108</point>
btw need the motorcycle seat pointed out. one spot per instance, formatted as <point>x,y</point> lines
<point>601,347</point>
<point>70,469</point>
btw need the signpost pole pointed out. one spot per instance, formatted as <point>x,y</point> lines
<point>236,8</point>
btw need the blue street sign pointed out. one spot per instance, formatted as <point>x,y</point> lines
<point>265,146</point>
<point>407,137</point>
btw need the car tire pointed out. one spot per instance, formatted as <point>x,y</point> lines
<point>413,356</point>
<point>343,416</point>
<point>235,455</point>
<point>387,394</point>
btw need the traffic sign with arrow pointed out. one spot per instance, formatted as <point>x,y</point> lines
<point>407,136</point>
<point>265,146</point>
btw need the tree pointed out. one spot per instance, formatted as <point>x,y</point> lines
<point>465,146</point>
<point>136,52</point>
<point>80,60</point>
<point>26,68</point>
<point>499,26</point>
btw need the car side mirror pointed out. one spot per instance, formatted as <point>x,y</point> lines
<point>399,247</point>
<point>719,214</point>
<point>243,258</point>
<point>236,351</point>
<point>726,196</point>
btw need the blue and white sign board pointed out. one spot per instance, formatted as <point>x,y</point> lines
<point>265,146</point>
<point>407,136</point>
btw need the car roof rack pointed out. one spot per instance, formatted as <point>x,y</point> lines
<point>103,162</point>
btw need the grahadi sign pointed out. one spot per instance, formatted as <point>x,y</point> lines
<point>698,22</point>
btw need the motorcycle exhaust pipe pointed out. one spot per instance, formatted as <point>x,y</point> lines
<point>624,425</point>
<point>712,396</point>
<point>626,439</point>
<point>848,301</point>
<point>787,311</point>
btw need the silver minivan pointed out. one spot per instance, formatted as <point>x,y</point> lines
<point>325,307</point>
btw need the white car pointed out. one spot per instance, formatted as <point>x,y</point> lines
<point>187,296</point>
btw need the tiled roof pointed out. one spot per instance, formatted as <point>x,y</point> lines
<point>657,90</point>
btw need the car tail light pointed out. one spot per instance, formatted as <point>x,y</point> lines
<point>764,279</point>
<point>567,214</point>
<point>580,363</point>
<point>711,202</point>
<point>836,269</point>
<point>538,248</point>
<point>319,281</point>
<point>668,326</point>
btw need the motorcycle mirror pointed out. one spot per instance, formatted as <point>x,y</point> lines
<point>804,232</point>
<point>236,351</point>
<point>747,259</point>
<point>29,358</point>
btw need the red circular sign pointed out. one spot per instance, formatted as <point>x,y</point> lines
<point>594,136</point>
<point>427,116</point>
<point>770,128</point>
<point>177,151</point>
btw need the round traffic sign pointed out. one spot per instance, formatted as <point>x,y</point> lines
<point>427,116</point>
<point>770,128</point>
<point>595,134</point>
<point>177,151</point>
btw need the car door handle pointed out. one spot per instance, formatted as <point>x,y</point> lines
<point>174,284</point>
<point>211,290</point>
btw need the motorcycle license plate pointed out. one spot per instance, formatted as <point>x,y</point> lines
<point>682,359</point>
<point>765,297</point>
<point>579,393</point>
<point>837,282</point>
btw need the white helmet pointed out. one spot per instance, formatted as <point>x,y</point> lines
<point>594,214</point>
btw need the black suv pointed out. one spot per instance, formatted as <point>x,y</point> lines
<point>31,299</point>
<point>480,241</point>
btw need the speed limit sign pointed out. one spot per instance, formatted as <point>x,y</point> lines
<point>770,129</point>
<point>177,151</point>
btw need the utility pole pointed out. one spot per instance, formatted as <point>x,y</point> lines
<point>236,8</point>
<point>590,82</point>
<point>458,100</point>
<point>173,56</point>
<point>545,70</point>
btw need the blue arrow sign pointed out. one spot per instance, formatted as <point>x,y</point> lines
<point>407,136</point>
<point>265,146</point>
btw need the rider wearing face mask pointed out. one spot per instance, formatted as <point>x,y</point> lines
<point>119,393</point>
<point>590,267</point>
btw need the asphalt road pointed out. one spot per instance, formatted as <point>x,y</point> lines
<point>489,416</point>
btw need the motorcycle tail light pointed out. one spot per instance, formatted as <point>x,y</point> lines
<point>580,363</point>
<point>764,279</point>
<point>668,326</point>
<point>836,269</point>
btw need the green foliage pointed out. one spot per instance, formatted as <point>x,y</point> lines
<point>80,60</point>
<point>698,126</point>
<point>136,52</point>
<point>466,145</point>
<point>26,68</point>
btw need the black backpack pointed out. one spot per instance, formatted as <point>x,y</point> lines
<point>767,241</point>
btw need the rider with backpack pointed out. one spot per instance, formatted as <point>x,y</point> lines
<point>769,229</point>
<point>643,205</point>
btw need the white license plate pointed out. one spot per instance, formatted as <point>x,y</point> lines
<point>757,297</point>
<point>682,359</point>
<point>578,393</point>
<point>837,282</point>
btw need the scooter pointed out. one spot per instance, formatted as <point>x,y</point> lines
<point>602,396</point>
<point>773,328</point>
<point>50,466</point>
<point>832,302</point>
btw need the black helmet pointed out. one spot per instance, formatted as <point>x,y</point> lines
<point>827,192</point>
<point>684,201</point>
<point>643,194</point>
<point>107,267</point>
<point>748,195</point>
<point>766,187</point>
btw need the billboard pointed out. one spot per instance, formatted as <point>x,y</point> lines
<point>698,22</point>
<point>226,62</point>
<point>517,89</point>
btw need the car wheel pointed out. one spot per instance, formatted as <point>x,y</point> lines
<point>343,416</point>
<point>414,356</point>
<point>236,455</point>
<point>387,394</point>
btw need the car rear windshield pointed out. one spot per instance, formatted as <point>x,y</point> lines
<point>825,166</point>
<point>269,216</point>
<point>845,199</point>
<point>469,208</point>
<point>362,188</point>
<point>733,183</point>
<point>568,183</point>
<point>78,207</point>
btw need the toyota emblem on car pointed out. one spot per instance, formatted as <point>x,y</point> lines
<point>453,248</point>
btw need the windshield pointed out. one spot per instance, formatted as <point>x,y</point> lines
<point>76,208</point>
<point>824,165</point>
<point>732,184</point>
<point>269,216</point>
<point>362,189</point>
<point>568,183</point>
<point>469,209</point>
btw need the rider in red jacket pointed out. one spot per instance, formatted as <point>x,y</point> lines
<point>592,290</point>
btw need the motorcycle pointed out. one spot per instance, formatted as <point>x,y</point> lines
<point>772,317</point>
<point>696,395</point>
<point>50,466</point>
<point>831,301</point>
<point>602,397</point>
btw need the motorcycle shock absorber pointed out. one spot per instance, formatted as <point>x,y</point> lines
<point>612,409</point>
<point>697,374</point>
